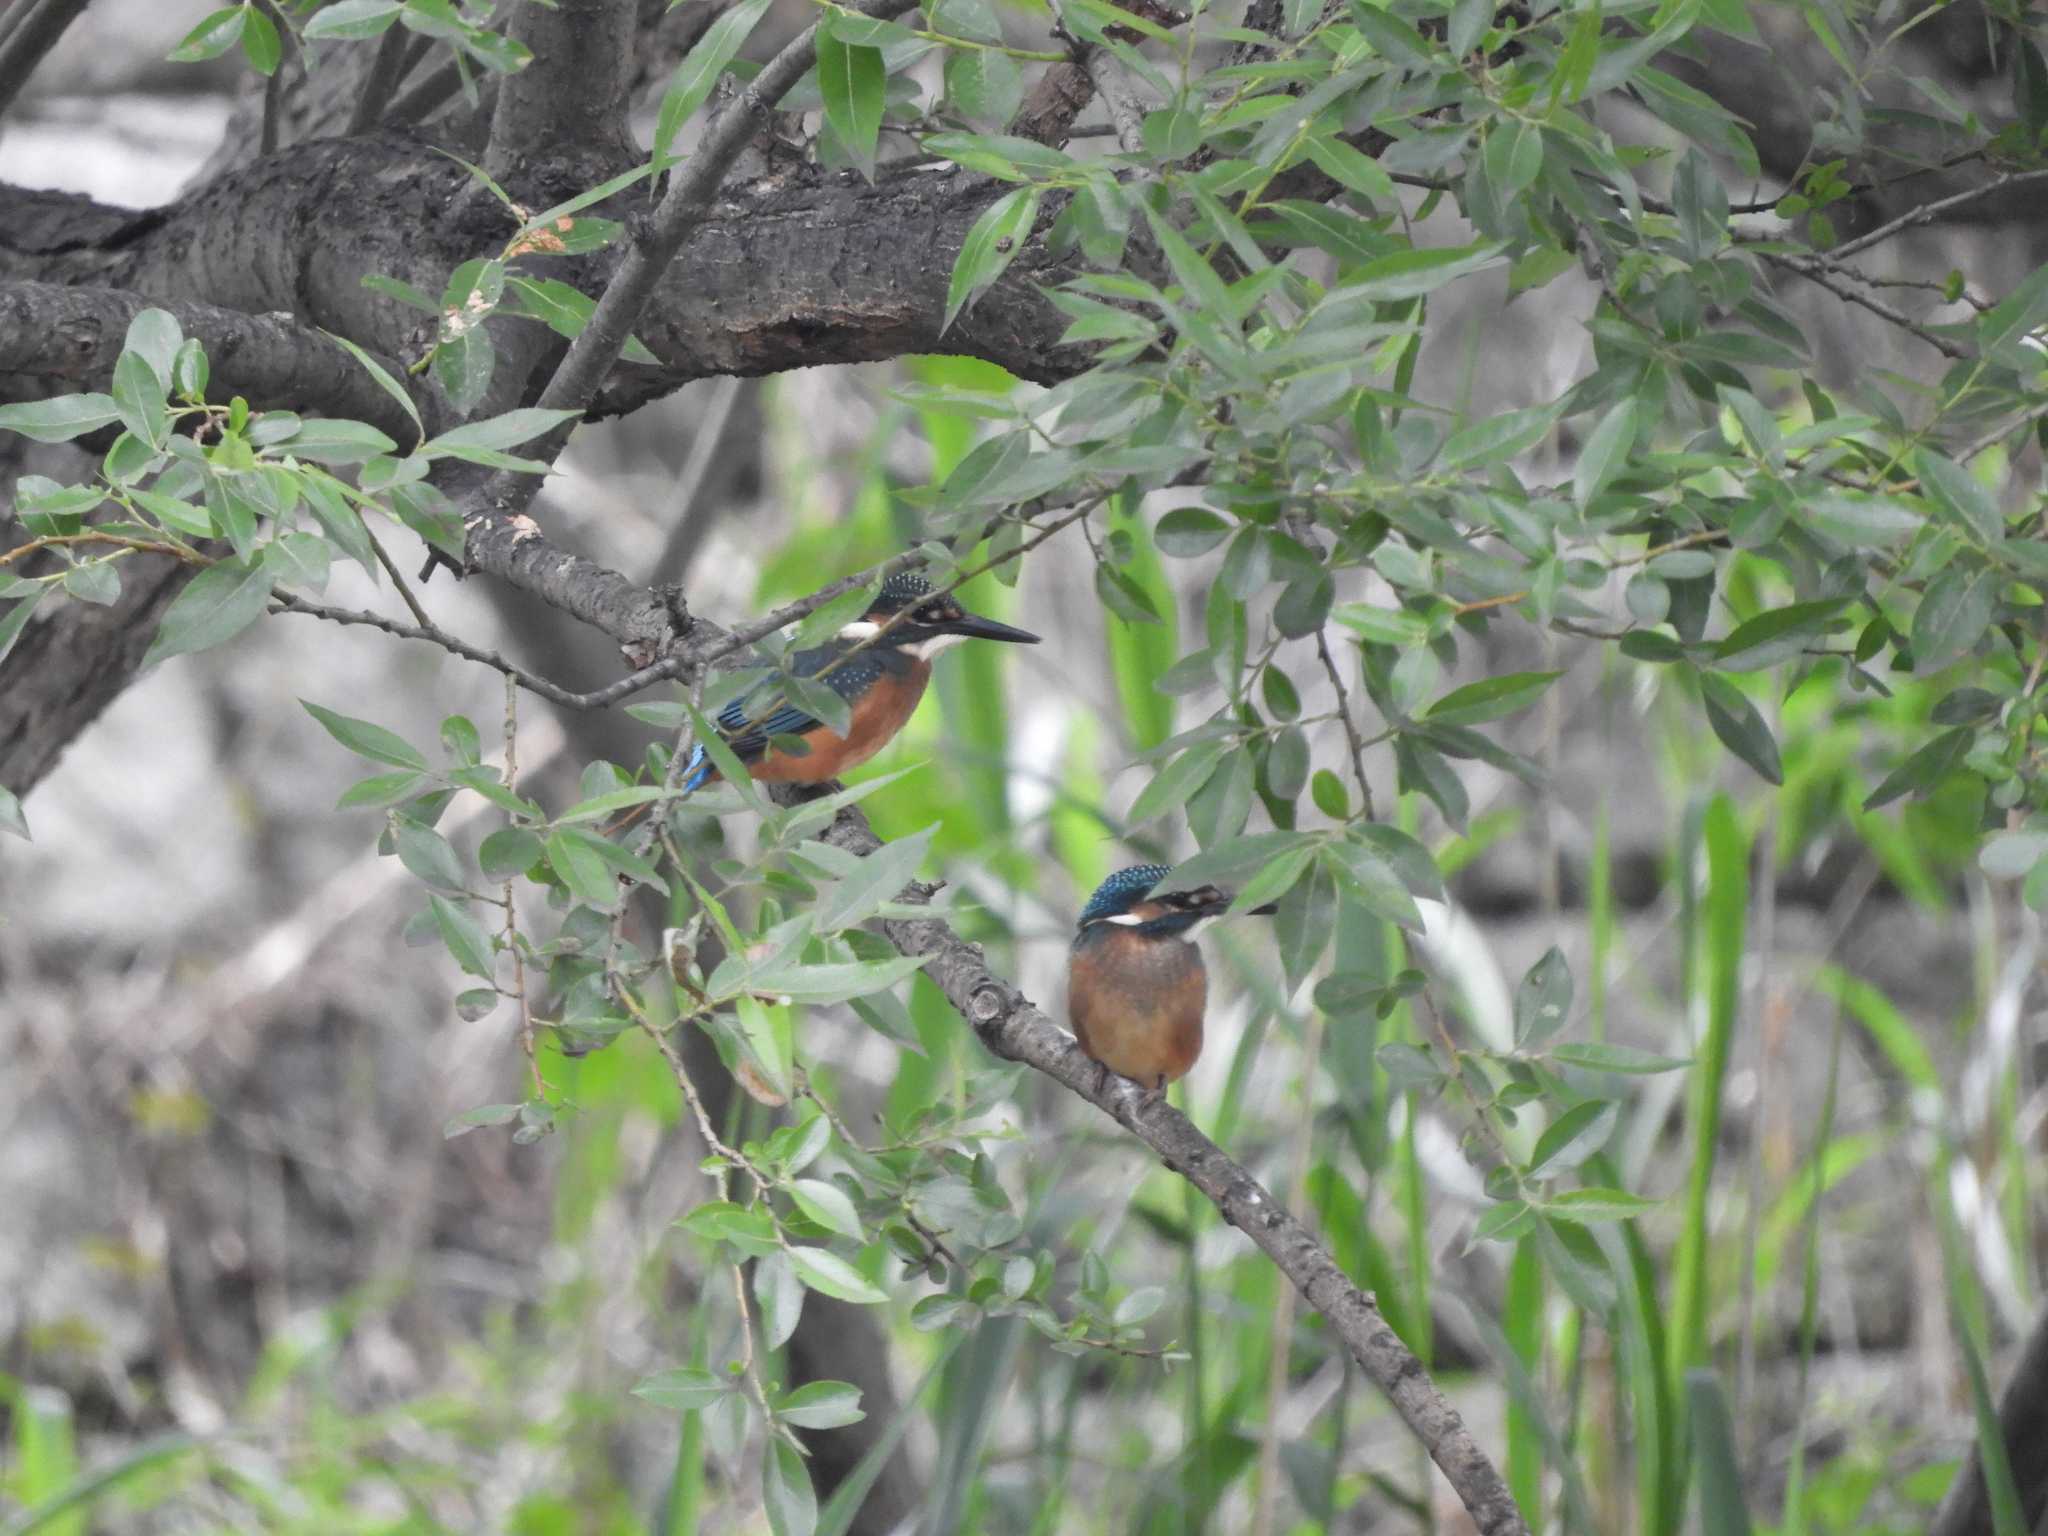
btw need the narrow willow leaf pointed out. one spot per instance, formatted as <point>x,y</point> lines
<point>853,80</point>
<point>215,606</point>
<point>991,245</point>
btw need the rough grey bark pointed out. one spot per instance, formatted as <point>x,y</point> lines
<point>2023,1425</point>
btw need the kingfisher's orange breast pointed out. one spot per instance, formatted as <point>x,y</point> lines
<point>1137,1003</point>
<point>878,714</point>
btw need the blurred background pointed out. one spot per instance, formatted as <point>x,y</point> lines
<point>243,1272</point>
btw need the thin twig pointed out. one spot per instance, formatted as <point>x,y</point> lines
<point>527,1042</point>
<point>398,580</point>
<point>1351,735</point>
<point>1821,275</point>
<point>1928,212</point>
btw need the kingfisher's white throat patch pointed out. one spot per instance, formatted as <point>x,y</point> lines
<point>931,645</point>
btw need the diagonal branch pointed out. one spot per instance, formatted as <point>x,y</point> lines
<point>2023,1425</point>
<point>1014,1027</point>
<point>72,336</point>
<point>41,27</point>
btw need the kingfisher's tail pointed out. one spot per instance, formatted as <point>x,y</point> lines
<point>697,770</point>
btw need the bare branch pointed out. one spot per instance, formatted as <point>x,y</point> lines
<point>71,337</point>
<point>31,40</point>
<point>388,70</point>
<point>2023,1425</point>
<point>1927,213</point>
<point>1014,1027</point>
<point>1838,280</point>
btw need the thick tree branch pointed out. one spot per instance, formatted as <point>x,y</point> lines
<point>31,40</point>
<point>59,340</point>
<point>1014,1027</point>
<point>571,100</point>
<point>2023,1424</point>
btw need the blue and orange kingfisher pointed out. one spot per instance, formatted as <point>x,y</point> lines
<point>1136,986</point>
<point>883,661</point>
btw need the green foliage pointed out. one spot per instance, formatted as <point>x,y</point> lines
<point>1837,590</point>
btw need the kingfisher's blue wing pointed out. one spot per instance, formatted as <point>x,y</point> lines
<point>746,730</point>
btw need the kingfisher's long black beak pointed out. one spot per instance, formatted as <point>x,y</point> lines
<point>975,627</point>
<point>1266,911</point>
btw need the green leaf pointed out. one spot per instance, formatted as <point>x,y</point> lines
<point>429,856</point>
<point>1490,698</point>
<point>1606,451</point>
<point>1741,729</point>
<point>463,934</point>
<point>368,740</point>
<point>215,35</point>
<point>155,336</point>
<point>1955,611</point>
<point>769,1042</point>
<point>1012,159</point>
<point>877,878</point>
<point>1598,1204</point>
<point>1925,768</point>
<point>830,1275</point>
<point>484,1114</point>
<point>838,982</point>
<point>60,419</point>
<point>215,606</point>
<point>827,1205</point>
<point>508,852</point>
<point>582,868</point>
<point>260,43</point>
<point>786,1493</point>
<point>1543,1000</point>
<point>700,69</point>
<point>853,81</point>
<point>1406,274</point>
<point>1574,1136</point>
<point>382,375</point>
<point>685,1389</point>
<point>992,243</point>
<point>463,364</point>
<point>352,19</point>
<point>1186,532</point>
<point>327,441</point>
<point>473,440</point>
<point>1173,784</point>
<point>821,1405</point>
<point>139,396</point>
<point>1204,288</point>
<point>1775,637</point>
<point>1860,521</point>
<point>16,619</point>
<point>1513,157</point>
<point>1956,492</point>
<point>1597,1056</point>
<point>93,581</point>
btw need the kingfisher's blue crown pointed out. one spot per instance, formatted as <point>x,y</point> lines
<point>1122,891</point>
<point>902,589</point>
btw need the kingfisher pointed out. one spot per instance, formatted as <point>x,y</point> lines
<point>1136,986</point>
<point>883,661</point>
